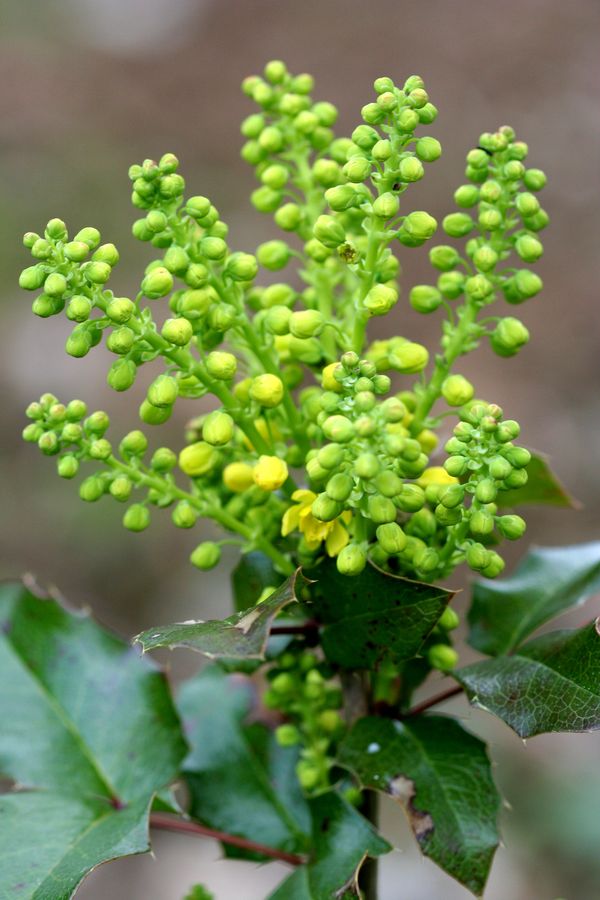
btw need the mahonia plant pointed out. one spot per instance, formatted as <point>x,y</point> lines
<point>354,475</point>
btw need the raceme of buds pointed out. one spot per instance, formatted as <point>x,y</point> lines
<point>312,441</point>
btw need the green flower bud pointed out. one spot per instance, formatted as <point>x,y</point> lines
<point>316,250</point>
<point>411,497</point>
<point>277,320</point>
<point>457,224</point>
<point>425,298</point>
<point>218,428</point>
<point>485,258</point>
<point>407,120</point>
<point>68,466</point>
<point>273,255</point>
<point>451,284</point>
<point>307,350</point>
<point>509,336</point>
<point>457,391</point>
<point>386,205</point>
<point>534,179</point>
<point>357,169</point>
<point>206,555</point>
<point>267,390</point>
<point>48,443</point>
<point>56,230</point>
<point>121,374</point>
<point>446,516</point>
<point>331,456</point>
<point>338,429</point>
<point>479,287</point>
<point>511,527</point>
<point>329,231</point>
<point>176,260</point>
<point>135,443</point>
<point>163,391</point>
<point>409,358</point>
<point>287,735</point>
<point>71,433</point>
<point>527,247</point>
<point>410,170</point>
<point>121,488</point>
<point>481,522</point>
<point>343,196</point>
<point>79,343</point>
<point>288,217</point>
<point>198,207</point>
<point>325,509</point>
<point>120,310</point>
<point>442,657</point>
<point>391,538</point>
<point>456,466</point>
<point>154,415</point>
<point>417,227</point>
<point>380,299</point>
<point>177,331</point>
<point>451,495</point>
<point>108,254</point>
<point>32,433</point>
<point>449,620</point>
<point>32,278</point>
<point>136,518</point>
<point>466,196</point>
<point>477,557</point>
<point>121,340</point>
<point>221,365</point>
<point>214,248</point>
<point>100,449</point>
<point>265,199</point>
<point>97,272</point>
<point>184,515</point>
<point>351,560</point>
<point>514,170</point>
<point>55,285</point>
<point>381,509</point>
<point>339,487</point>
<point>366,465</point>
<point>426,560</point>
<point>163,460</point>
<point>382,150</point>
<point>76,410</point>
<point>516,479</point>
<point>365,137</point>
<point>91,489</point>
<point>41,249</point>
<point>79,308</point>
<point>306,323</point>
<point>157,283</point>
<point>499,468</point>
<point>444,257</point>
<point>519,457</point>
<point>527,204</point>
<point>486,490</point>
<point>428,149</point>
<point>197,459</point>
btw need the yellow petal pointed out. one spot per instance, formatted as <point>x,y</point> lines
<point>337,539</point>
<point>313,529</point>
<point>303,496</point>
<point>290,520</point>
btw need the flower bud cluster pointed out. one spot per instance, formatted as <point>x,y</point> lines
<point>303,690</point>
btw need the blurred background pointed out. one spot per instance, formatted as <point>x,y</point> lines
<point>88,87</point>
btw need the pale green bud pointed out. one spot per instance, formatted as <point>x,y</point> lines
<point>428,149</point>
<point>177,331</point>
<point>68,466</point>
<point>55,285</point>
<point>277,320</point>
<point>121,374</point>
<point>534,179</point>
<point>32,278</point>
<point>79,308</point>
<point>306,323</point>
<point>121,488</point>
<point>409,358</point>
<point>157,283</point>
<point>527,247</point>
<point>120,310</point>
<point>325,508</point>
<point>444,257</point>
<point>184,515</point>
<point>386,205</point>
<point>411,169</point>
<point>339,487</point>
<point>176,260</point>
<point>221,365</point>
<point>163,391</point>
<point>163,460</point>
<point>154,415</point>
<point>351,560</point>
<point>218,428</point>
<point>78,343</point>
<point>425,298</point>
<point>457,224</point>
<point>91,489</point>
<point>380,299</point>
<point>206,555</point>
<point>442,657</point>
<point>457,391</point>
<point>509,336</point>
<point>136,518</point>
<point>391,538</point>
<point>56,230</point>
<point>381,509</point>
<point>267,390</point>
<point>338,428</point>
<point>382,150</point>
<point>121,340</point>
<point>329,231</point>
<point>273,255</point>
<point>108,254</point>
<point>511,527</point>
<point>97,272</point>
<point>417,227</point>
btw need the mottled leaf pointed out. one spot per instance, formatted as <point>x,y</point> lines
<point>551,684</point>
<point>548,581</point>
<point>374,616</point>
<point>440,774</point>
<point>240,780</point>
<point>241,636</point>
<point>253,573</point>
<point>342,839</point>
<point>89,734</point>
<point>543,488</point>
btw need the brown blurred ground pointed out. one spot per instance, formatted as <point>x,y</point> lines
<point>89,86</point>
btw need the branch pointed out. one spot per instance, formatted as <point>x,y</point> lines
<point>308,628</point>
<point>433,701</point>
<point>169,823</point>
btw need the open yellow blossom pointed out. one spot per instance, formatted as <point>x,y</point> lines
<point>270,472</point>
<point>315,532</point>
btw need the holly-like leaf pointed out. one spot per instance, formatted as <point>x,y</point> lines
<point>253,573</point>
<point>241,636</point>
<point>551,684</point>
<point>342,839</point>
<point>374,616</point>
<point>240,780</point>
<point>548,581</point>
<point>89,734</point>
<point>441,776</point>
<point>543,488</point>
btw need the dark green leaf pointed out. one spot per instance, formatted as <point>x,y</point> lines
<point>240,780</point>
<point>374,616</point>
<point>441,775</point>
<point>542,488</point>
<point>342,840</point>
<point>547,582</point>
<point>251,576</point>
<point>89,733</point>
<point>241,636</point>
<point>551,684</point>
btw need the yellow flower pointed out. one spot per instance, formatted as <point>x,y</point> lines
<point>270,472</point>
<point>315,532</point>
<point>436,475</point>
